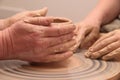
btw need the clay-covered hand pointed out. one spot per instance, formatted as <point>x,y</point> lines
<point>106,47</point>
<point>11,20</point>
<point>37,40</point>
<point>87,33</point>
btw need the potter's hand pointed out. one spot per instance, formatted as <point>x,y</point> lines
<point>4,23</point>
<point>87,33</point>
<point>106,47</point>
<point>37,43</point>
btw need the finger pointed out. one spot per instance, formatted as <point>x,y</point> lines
<point>52,41</point>
<point>51,31</point>
<point>92,37</point>
<point>105,50</point>
<point>80,32</point>
<point>24,27</point>
<point>58,57</point>
<point>61,20</point>
<point>112,55</point>
<point>38,13</point>
<point>60,48</point>
<point>85,31</point>
<point>39,20</point>
<point>103,43</point>
<point>100,45</point>
<point>80,35</point>
<point>87,54</point>
<point>58,30</point>
<point>101,39</point>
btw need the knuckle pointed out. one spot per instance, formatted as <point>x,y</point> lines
<point>100,52</point>
<point>47,21</point>
<point>95,36</point>
<point>65,38</point>
<point>117,51</point>
<point>102,43</point>
<point>109,47</point>
<point>39,20</point>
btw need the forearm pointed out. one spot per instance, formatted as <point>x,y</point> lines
<point>105,11</point>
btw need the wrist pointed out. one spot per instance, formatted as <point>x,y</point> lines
<point>6,48</point>
<point>93,21</point>
<point>89,22</point>
<point>95,17</point>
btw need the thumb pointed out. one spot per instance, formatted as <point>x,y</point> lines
<point>39,20</point>
<point>41,12</point>
<point>80,35</point>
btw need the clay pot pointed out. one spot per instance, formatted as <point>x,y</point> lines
<point>61,20</point>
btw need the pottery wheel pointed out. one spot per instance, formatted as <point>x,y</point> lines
<point>75,68</point>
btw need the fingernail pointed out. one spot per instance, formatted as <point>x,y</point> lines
<point>26,20</point>
<point>90,49</point>
<point>87,54</point>
<point>94,55</point>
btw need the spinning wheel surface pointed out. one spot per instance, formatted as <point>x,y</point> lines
<point>75,68</point>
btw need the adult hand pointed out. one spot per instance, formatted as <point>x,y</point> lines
<point>106,47</point>
<point>11,20</point>
<point>87,33</point>
<point>38,43</point>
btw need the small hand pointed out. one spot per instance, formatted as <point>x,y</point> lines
<point>106,47</point>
